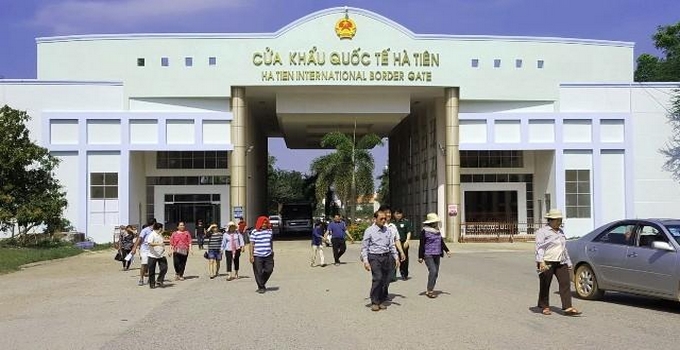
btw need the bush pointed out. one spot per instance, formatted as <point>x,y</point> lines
<point>356,230</point>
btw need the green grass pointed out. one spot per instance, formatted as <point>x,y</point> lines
<point>12,258</point>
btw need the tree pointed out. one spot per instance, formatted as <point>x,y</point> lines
<point>672,149</point>
<point>30,195</point>
<point>284,186</point>
<point>384,187</point>
<point>349,169</point>
<point>667,68</point>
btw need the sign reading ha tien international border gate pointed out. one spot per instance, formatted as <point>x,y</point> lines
<point>357,65</point>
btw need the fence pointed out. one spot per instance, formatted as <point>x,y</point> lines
<point>498,231</point>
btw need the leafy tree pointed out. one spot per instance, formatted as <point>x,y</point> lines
<point>287,186</point>
<point>349,169</point>
<point>672,149</point>
<point>667,68</point>
<point>384,187</point>
<point>30,195</point>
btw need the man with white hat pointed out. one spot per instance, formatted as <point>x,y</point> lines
<point>552,258</point>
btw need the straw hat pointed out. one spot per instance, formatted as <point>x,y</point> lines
<point>431,218</point>
<point>212,226</point>
<point>230,224</point>
<point>554,214</point>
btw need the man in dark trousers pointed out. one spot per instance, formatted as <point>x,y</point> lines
<point>405,229</point>
<point>338,232</point>
<point>262,253</point>
<point>380,256</point>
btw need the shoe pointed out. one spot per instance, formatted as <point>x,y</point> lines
<point>430,295</point>
<point>323,265</point>
<point>375,307</point>
<point>546,311</point>
<point>312,265</point>
<point>140,283</point>
<point>571,312</point>
<point>382,306</point>
<point>161,285</point>
<point>212,277</point>
<point>261,290</point>
<point>336,264</point>
<point>152,286</point>
<point>181,278</point>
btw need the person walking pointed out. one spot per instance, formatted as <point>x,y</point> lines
<point>232,245</point>
<point>126,242</point>
<point>338,232</point>
<point>380,257</point>
<point>214,250</point>
<point>180,247</point>
<point>552,258</point>
<point>262,253</point>
<point>395,232</point>
<point>318,237</point>
<point>404,228</point>
<point>143,246</point>
<point>157,256</point>
<point>200,233</point>
<point>431,249</point>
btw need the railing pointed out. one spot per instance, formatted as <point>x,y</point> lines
<point>497,231</point>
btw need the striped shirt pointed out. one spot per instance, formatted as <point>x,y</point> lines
<point>262,242</point>
<point>215,241</point>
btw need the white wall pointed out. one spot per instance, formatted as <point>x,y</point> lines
<point>35,97</point>
<point>137,202</point>
<point>67,173</point>
<point>103,214</point>
<point>612,186</point>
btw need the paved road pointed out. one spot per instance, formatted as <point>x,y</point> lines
<point>488,291</point>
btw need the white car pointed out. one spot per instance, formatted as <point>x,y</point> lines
<point>275,221</point>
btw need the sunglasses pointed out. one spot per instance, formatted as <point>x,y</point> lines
<point>381,219</point>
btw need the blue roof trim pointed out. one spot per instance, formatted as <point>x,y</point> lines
<point>57,82</point>
<point>330,11</point>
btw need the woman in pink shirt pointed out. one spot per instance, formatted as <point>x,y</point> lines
<point>180,244</point>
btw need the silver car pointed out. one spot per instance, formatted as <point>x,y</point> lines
<point>633,256</point>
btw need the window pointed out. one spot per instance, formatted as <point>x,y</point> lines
<point>620,234</point>
<point>650,234</point>
<point>539,64</point>
<point>518,63</point>
<point>165,62</point>
<point>497,63</point>
<point>491,159</point>
<point>141,62</point>
<point>191,160</point>
<point>212,61</point>
<point>103,185</point>
<point>577,193</point>
<point>188,61</point>
<point>474,63</point>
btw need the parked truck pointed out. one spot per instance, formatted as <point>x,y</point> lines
<point>296,218</point>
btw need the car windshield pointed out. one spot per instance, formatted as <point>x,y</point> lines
<point>675,232</point>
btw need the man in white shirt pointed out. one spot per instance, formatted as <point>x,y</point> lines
<point>143,247</point>
<point>156,256</point>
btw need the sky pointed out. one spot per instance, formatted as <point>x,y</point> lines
<point>21,21</point>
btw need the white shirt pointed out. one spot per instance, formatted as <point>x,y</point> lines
<point>156,251</point>
<point>393,229</point>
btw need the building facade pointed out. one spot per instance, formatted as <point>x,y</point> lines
<point>491,128</point>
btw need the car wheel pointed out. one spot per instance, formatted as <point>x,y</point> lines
<point>586,283</point>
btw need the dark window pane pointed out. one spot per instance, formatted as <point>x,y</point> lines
<point>583,175</point>
<point>572,212</point>
<point>187,163</point>
<point>97,192</point>
<point>489,177</point>
<point>199,160</point>
<point>477,178</point>
<point>570,187</point>
<point>583,187</point>
<point>216,197</point>
<point>221,163</point>
<point>583,200</point>
<point>220,180</point>
<point>584,212</point>
<point>210,163</point>
<point>173,163</point>
<point>165,180</point>
<point>179,180</point>
<point>570,175</point>
<point>571,199</point>
<point>96,178</point>
<point>111,179</point>
<point>192,180</point>
<point>111,192</point>
<point>168,198</point>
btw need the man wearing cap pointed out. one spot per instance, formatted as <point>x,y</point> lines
<point>380,256</point>
<point>552,258</point>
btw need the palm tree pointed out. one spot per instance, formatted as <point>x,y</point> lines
<point>349,169</point>
<point>384,188</point>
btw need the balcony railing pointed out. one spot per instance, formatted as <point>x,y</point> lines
<point>493,231</point>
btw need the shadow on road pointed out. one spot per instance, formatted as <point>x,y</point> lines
<point>642,302</point>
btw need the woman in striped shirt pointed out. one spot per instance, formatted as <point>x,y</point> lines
<point>214,250</point>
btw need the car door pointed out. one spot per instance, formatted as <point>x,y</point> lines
<point>608,251</point>
<point>651,270</point>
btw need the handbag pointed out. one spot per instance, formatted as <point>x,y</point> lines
<point>119,256</point>
<point>205,255</point>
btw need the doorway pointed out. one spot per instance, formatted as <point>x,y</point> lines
<point>189,208</point>
<point>491,206</point>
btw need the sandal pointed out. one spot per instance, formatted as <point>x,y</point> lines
<point>430,295</point>
<point>546,311</point>
<point>230,278</point>
<point>572,312</point>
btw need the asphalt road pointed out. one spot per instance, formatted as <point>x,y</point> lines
<point>488,294</point>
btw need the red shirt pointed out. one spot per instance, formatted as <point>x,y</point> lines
<point>180,239</point>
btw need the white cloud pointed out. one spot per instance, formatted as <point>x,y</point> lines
<point>84,16</point>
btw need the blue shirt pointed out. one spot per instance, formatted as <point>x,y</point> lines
<point>378,240</point>
<point>262,242</point>
<point>337,229</point>
<point>317,235</point>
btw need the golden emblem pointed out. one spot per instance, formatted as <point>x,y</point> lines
<point>345,28</point>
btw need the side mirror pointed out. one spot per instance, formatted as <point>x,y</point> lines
<point>663,246</point>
